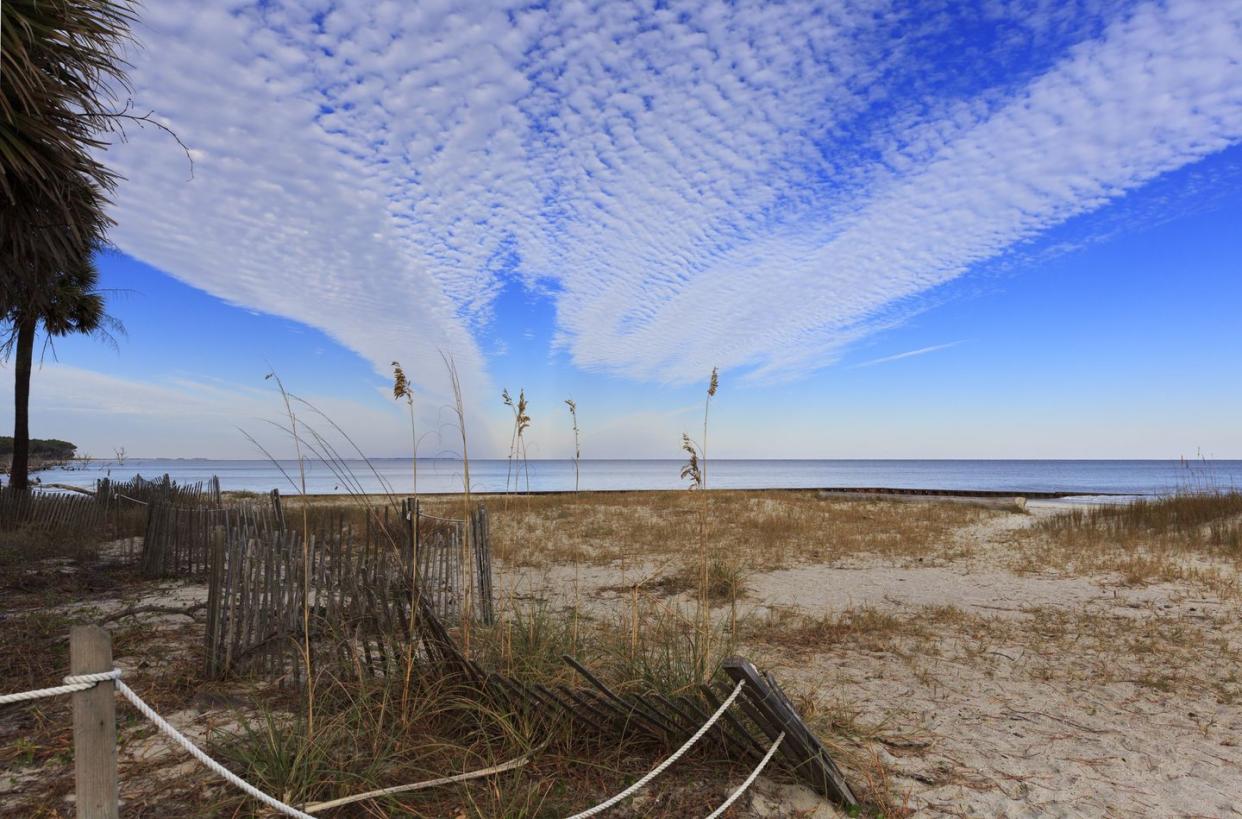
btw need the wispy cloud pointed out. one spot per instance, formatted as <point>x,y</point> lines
<point>181,417</point>
<point>745,184</point>
<point>908,354</point>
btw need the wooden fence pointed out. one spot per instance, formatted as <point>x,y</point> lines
<point>163,490</point>
<point>453,556</point>
<point>764,712</point>
<point>358,609</point>
<point>36,509</point>
<point>358,589</point>
<point>82,517</point>
<point>177,538</point>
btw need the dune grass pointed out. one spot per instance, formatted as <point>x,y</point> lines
<point>1208,523</point>
<point>764,529</point>
<point>1186,537</point>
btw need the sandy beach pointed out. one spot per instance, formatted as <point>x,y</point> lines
<point>958,659</point>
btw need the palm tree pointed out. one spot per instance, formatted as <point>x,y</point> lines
<point>69,303</point>
<point>59,60</point>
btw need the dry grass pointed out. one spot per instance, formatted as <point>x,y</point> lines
<point>1183,538</point>
<point>761,530</point>
<point>1209,524</point>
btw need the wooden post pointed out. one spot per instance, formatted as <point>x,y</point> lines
<point>277,509</point>
<point>94,725</point>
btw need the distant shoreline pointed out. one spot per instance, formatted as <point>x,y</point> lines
<point>861,492</point>
<point>1043,479</point>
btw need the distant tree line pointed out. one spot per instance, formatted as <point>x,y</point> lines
<point>47,449</point>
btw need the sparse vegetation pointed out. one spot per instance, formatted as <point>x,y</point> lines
<point>764,530</point>
<point>1207,523</point>
<point>841,665</point>
<point>1193,537</point>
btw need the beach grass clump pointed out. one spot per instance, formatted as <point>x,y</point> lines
<point>761,530</point>
<point>372,733</point>
<point>375,733</point>
<point>1209,522</point>
<point>865,628</point>
<point>1187,537</point>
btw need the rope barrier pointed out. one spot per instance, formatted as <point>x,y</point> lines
<point>659,769</point>
<point>418,786</point>
<point>81,682</point>
<point>73,684</point>
<point>750,780</point>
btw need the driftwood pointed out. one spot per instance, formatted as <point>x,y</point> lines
<point>190,611</point>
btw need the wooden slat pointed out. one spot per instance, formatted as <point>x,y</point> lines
<point>808,757</point>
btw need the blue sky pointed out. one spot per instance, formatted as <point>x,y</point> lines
<point>992,229</point>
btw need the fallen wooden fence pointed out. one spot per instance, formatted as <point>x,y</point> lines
<point>764,716</point>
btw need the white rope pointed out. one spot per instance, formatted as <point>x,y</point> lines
<point>659,769</point>
<point>418,786</point>
<point>193,750</point>
<point>750,780</point>
<point>81,682</point>
<point>73,684</point>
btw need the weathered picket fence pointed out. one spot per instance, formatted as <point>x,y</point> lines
<point>358,587</point>
<point>177,538</point>
<point>42,510</point>
<point>452,574</point>
<point>164,490</point>
<point>75,518</point>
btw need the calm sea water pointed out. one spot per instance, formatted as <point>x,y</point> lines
<point>440,475</point>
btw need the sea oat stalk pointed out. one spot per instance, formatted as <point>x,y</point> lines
<point>573,414</point>
<point>306,563</point>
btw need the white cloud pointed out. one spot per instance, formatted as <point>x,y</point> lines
<point>908,354</point>
<point>177,417</point>
<point>694,180</point>
<point>1162,88</point>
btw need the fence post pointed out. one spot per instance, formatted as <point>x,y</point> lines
<point>94,725</point>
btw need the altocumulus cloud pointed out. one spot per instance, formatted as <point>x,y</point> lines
<point>738,184</point>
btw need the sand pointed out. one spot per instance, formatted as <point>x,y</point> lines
<point>1017,729</point>
<point>1050,694</point>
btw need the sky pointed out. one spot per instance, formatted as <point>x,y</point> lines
<point>900,229</point>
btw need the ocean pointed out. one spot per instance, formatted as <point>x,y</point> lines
<point>445,475</point>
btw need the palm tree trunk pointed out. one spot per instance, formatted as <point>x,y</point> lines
<point>20,468</point>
